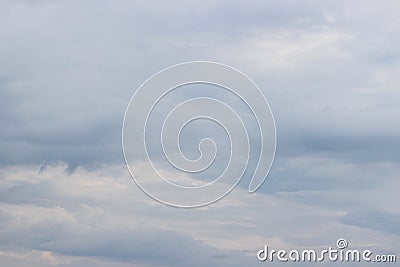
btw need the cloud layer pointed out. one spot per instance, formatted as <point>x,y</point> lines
<point>68,69</point>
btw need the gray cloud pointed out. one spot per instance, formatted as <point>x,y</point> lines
<point>68,69</point>
<point>374,219</point>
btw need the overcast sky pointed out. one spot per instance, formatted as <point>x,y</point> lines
<point>329,69</point>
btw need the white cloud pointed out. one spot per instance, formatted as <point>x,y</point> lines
<point>101,215</point>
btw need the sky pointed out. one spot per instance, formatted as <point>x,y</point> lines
<point>329,70</point>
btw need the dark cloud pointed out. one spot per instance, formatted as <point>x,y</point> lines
<point>373,219</point>
<point>150,246</point>
<point>68,71</point>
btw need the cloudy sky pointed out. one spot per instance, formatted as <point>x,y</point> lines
<point>329,69</point>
